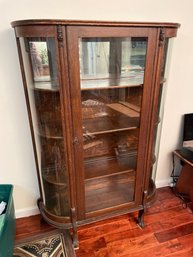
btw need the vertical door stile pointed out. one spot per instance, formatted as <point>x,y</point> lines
<point>75,103</point>
<point>67,115</point>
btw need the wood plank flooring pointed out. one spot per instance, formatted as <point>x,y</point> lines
<point>168,232</point>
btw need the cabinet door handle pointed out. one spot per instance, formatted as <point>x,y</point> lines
<point>75,141</point>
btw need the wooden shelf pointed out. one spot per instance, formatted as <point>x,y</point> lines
<point>110,181</point>
<point>48,136</point>
<point>49,175</point>
<point>52,180</point>
<point>110,144</point>
<point>51,130</point>
<point>109,191</point>
<point>123,108</point>
<point>110,166</point>
<point>131,106</point>
<point>109,124</point>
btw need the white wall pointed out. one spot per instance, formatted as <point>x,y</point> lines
<point>16,155</point>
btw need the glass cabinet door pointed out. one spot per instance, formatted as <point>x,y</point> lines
<point>43,90</point>
<point>111,75</point>
<point>111,84</point>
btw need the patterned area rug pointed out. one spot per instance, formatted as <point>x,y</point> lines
<point>48,246</point>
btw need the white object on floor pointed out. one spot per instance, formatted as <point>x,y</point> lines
<point>2,207</point>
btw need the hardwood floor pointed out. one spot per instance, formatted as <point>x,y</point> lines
<point>168,232</point>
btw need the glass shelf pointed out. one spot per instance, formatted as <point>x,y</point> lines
<point>49,175</point>
<point>45,86</point>
<point>109,83</point>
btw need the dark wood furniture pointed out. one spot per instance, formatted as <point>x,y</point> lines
<point>93,92</point>
<point>183,182</point>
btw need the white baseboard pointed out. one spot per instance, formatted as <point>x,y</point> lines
<point>26,212</point>
<point>163,183</point>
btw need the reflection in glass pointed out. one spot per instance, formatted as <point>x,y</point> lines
<point>160,109</point>
<point>112,61</point>
<point>43,62</point>
<point>39,59</point>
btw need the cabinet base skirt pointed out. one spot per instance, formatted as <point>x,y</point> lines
<point>67,222</point>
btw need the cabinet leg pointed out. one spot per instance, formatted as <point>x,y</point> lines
<point>39,200</point>
<point>140,220</point>
<point>75,239</point>
<point>74,229</point>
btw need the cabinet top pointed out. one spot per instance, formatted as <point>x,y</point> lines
<point>93,23</point>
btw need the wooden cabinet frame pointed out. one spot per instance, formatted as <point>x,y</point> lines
<point>66,36</point>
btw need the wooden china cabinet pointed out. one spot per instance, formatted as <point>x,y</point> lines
<point>93,92</point>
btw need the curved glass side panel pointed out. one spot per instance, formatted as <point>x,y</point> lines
<point>161,100</point>
<point>39,59</point>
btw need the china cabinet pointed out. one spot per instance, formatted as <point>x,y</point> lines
<point>93,92</point>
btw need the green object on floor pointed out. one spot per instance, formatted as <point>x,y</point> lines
<point>2,218</point>
<point>7,222</point>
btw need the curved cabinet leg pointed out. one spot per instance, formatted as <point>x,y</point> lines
<point>142,211</point>
<point>75,240</point>
<point>39,200</point>
<point>140,220</point>
<point>74,227</point>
